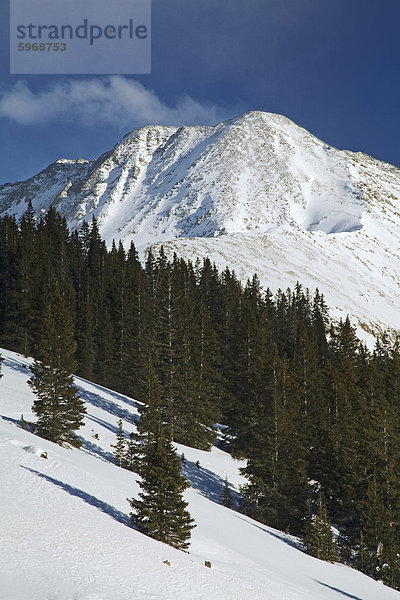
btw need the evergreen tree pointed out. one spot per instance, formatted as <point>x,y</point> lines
<point>160,512</point>
<point>229,327</point>
<point>134,452</point>
<point>150,396</point>
<point>8,247</point>
<point>227,495</point>
<point>25,273</point>
<point>96,318</point>
<point>85,328</point>
<point>318,540</point>
<point>133,321</point>
<point>116,303</point>
<point>320,322</point>
<point>119,446</point>
<point>302,399</point>
<point>58,406</point>
<point>376,531</point>
<point>84,302</point>
<point>276,455</point>
<point>193,410</point>
<point>186,356</point>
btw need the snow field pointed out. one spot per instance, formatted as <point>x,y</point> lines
<point>65,533</point>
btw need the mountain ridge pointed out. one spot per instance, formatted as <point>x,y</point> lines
<point>252,187</point>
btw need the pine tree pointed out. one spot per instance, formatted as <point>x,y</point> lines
<point>227,495</point>
<point>25,276</point>
<point>134,452</point>
<point>320,321</point>
<point>378,537</point>
<point>347,406</point>
<point>161,511</point>
<point>149,394</point>
<point>276,454</point>
<point>119,446</point>
<point>86,311</point>
<point>8,247</point>
<point>58,406</point>
<point>96,317</point>
<point>193,408</point>
<point>318,540</point>
<point>185,354</point>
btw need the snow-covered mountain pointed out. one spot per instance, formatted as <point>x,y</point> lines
<point>256,193</point>
<point>65,531</point>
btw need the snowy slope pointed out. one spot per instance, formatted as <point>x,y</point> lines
<point>256,193</point>
<point>65,533</point>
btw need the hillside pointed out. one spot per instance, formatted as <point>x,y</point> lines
<point>256,193</point>
<point>65,530</point>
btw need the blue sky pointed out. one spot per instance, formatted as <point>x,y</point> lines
<point>332,66</point>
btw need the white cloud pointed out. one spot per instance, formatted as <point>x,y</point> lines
<point>114,100</point>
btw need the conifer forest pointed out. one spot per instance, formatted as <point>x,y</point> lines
<point>312,410</point>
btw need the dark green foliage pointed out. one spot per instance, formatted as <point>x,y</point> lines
<point>303,401</point>
<point>134,452</point>
<point>227,495</point>
<point>58,406</point>
<point>160,511</point>
<point>150,393</point>
<point>318,540</point>
<point>128,451</point>
<point>277,455</point>
<point>378,552</point>
<point>120,445</point>
<point>185,353</point>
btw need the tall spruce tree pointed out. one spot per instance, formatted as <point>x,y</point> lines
<point>58,406</point>
<point>160,512</point>
<point>377,531</point>
<point>226,495</point>
<point>120,445</point>
<point>134,452</point>
<point>319,541</point>
<point>276,455</point>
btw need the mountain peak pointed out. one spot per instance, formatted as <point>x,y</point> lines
<point>256,192</point>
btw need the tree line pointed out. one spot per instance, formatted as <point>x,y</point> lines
<point>311,409</point>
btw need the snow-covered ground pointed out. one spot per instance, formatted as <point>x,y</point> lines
<point>65,534</point>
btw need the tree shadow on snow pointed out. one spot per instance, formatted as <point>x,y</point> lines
<point>109,510</point>
<point>16,422</point>
<point>16,366</point>
<point>283,537</point>
<point>206,482</point>
<point>29,426</point>
<point>335,589</point>
<point>108,406</point>
<point>105,424</point>
<point>96,450</point>
<point>103,390</point>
